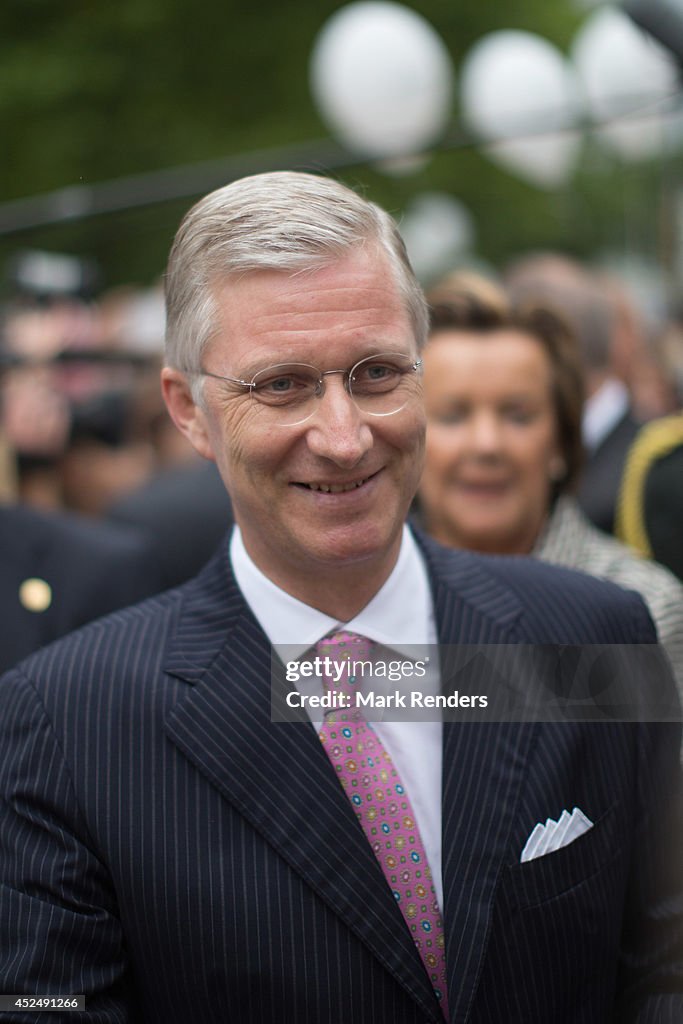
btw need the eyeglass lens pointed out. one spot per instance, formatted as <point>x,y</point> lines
<point>379,385</point>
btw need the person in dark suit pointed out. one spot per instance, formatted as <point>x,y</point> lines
<point>60,571</point>
<point>596,314</point>
<point>185,513</point>
<point>175,852</point>
<point>604,467</point>
<point>650,509</point>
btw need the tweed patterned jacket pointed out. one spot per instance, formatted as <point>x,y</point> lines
<point>569,539</point>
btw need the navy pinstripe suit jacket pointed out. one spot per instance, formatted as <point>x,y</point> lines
<point>168,851</point>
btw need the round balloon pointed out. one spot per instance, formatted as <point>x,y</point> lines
<point>519,92</point>
<point>628,79</point>
<point>382,79</point>
<point>438,231</point>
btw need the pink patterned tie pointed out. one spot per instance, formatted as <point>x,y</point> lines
<point>374,787</point>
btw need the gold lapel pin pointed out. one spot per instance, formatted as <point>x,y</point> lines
<point>35,594</point>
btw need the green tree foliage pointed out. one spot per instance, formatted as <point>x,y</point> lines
<point>90,92</point>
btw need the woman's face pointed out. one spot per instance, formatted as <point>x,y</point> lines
<point>491,439</point>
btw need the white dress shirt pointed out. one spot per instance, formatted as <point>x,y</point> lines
<point>399,616</point>
<point>602,411</point>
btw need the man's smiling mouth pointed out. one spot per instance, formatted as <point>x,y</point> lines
<point>336,488</point>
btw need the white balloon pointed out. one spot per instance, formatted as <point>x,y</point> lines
<point>438,230</point>
<point>382,79</point>
<point>627,78</point>
<point>518,91</point>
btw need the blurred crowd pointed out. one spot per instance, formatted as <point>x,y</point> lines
<point>81,413</point>
<point>82,422</point>
<point>83,429</point>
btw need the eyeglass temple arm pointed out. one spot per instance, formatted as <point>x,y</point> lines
<point>230,380</point>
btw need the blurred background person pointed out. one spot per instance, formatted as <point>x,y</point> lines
<point>81,408</point>
<point>504,397</point>
<point>181,504</point>
<point>608,341</point>
<point>184,510</point>
<point>71,392</point>
<point>60,571</point>
<point>646,350</point>
<point>650,510</point>
<point>36,417</point>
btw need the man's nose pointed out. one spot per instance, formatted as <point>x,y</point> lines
<point>338,430</point>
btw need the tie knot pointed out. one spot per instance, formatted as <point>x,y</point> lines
<point>345,651</point>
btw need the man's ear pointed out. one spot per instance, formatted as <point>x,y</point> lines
<point>188,417</point>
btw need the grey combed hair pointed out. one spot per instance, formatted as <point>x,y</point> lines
<point>285,221</point>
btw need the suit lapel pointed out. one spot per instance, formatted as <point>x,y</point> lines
<point>484,768</point>
<point>277,775</point>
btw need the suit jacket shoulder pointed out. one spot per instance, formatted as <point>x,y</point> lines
<point>86,569</point>
<point>541,603</point>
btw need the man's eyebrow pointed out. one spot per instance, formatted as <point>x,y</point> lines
<point>382,347</point>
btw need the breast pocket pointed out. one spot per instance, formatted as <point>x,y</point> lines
<point>548,877</point>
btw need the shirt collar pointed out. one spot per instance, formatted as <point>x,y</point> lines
<point>603,410</point>
<point>399,616</point>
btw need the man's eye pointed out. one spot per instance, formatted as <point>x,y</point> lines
<point>380,376</point>
<point>285,387</point>
<point>279,384</point>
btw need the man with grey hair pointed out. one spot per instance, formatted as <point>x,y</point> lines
<point>174,851</point>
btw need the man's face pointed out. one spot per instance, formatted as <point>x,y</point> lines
<point>279,475</point>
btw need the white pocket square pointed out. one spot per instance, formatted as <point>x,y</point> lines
<point>555,834</point>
